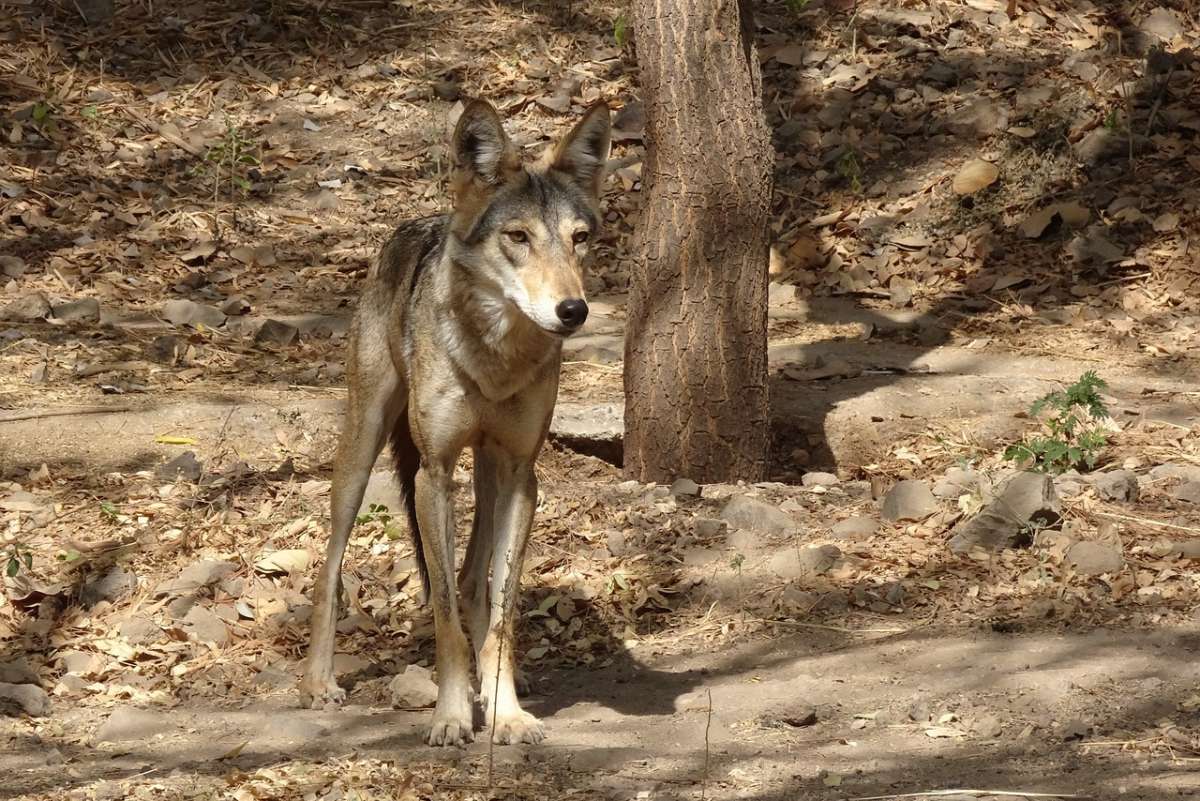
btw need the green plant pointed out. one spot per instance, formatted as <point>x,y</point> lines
<point>375,512</point>
<point>227,159</point>
<point>621,30</point>
<point>850,169</point>
<point>796,6</point>
<point>1072,435</point>
<point>109,511</point>
<point>17,555</point>
<point>43,117</point>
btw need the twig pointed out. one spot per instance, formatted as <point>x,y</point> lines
<point>707,725</point>
<point>16,416</point>
<point>941,793</point>
<point>495,706</point>
<point>839,629</point>
<point>1144,521</point>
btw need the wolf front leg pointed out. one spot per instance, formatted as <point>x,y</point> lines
<point>516,497</point>
<point>376,399</point>
<point>453,718</point>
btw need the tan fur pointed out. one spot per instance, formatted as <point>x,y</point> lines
<point>451,347</point>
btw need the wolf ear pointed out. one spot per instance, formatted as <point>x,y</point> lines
<point>481,148</point>
<point>583,153</point>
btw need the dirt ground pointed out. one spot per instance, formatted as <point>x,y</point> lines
<point>190,195</point>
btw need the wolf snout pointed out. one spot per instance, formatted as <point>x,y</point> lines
<point>572,313</point>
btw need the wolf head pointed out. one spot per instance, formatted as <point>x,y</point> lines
<point>523,231</point>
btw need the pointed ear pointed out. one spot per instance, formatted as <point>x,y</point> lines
<point>583,153</point>
<point>481,149</point>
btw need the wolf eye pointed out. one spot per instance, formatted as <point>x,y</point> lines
<point>517,236</point>
<point>580,237</point>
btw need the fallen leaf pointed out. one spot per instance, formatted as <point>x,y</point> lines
<point>165,439</point>
<point>292,560</point>
<point>974,176</point>
<point>939,732</point>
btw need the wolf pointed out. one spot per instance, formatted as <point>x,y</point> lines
<point>457,342</point>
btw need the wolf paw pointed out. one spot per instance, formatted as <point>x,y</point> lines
<point>451,730</point>
<point>320,693</point>
<point>519,727</point>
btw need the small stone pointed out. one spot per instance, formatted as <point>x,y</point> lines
<point>186,312</point>
<point>617,545</point>
<point>755,514</point>
<point>1026,502</point>
<point>908,500</point>
<point>81,663</point>
<point>1094,558</point>
<point>959,481</point>
<point>349,664</point>
<point>987,726</point>
<point>1118,485</point>
<point>1189,492</point>
<point>819,480</point>
<point>447,90</point>
<point>185,466</point>
<point>235,306</point>
<point>277,332</point>
<point>1099,144</point>
<point>1162,24</point>
<point>800,717</point>
<point>195,576</point>
<point>854,528</point>
<point>707,528</point>
<point>206,626</point>
<point>128,724</point>
<point>1187,472</point>
<point>685,488</point>
<point>413,689</point>
<point>29,698</point>
<point>71,684</point>
<point>806,562</point>
<point>27,308</point>
<point>140,631</point>
<point>77,311</point>
<point>112,586</point>
<point>18,671</point>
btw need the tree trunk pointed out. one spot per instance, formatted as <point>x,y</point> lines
<point>696,337</point>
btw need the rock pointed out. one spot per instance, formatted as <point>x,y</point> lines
<point>12,267</point>
<point>616,542</point>
<point>27,308</point>
<point>799,717</point>
<point>82,310</point>
<point>18,671</point>
<point>594,429</point>
<point>1090,558</point>
<point>1099,144</point>
<point>112,586</point>
<point>277,332</point>
<point>195,576</point>
<point>235,306</point>
<point>755,514</point>
<point>413,689</point>
<point>987,726</point>
<point>743,541</point>
<point>685,488</point>
<point>959,481</point>
<point>1162,24</point>
<point>819,480</point>
<point>1186,549</point>
<point>29,698</point>
<point>70,684</point>
<point>854,528</point>
<point>699,557</point>
<point>205,626</point>
<point>908,500</point>
<point>128,724</point>
<point>980,118</point>
<point>185,466</point>
<point>707,528</point>
<point>1118,485</point>
<point>349,664</point>
<point>447,90</point>
<point>806,562</point>
<point>140,631</point>
<point>1189,491</point>
<point>1027,501</point>
<point>81,663</point>
<point>1187,472</point>
<point>185,312</point>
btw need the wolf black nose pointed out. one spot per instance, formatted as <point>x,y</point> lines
<point>572,312</point>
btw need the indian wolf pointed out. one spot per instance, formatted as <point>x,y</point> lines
<point>457,342</point>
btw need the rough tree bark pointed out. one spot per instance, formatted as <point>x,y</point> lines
<point>696,337</point>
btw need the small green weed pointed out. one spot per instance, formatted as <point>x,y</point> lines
<point>227,160</point>
<point>1072,436</point>
<point>375,512</point>
<point>850,169</point>
<point>109,511</point>
<point>621,30</point>
<point>44,117</point>
<point>17,555</point>
<point>796,6</point>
